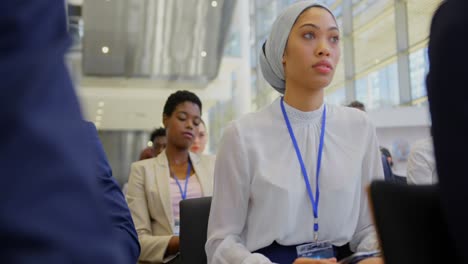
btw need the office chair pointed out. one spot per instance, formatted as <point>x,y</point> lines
<point>194,214</point>
<point>410,224</point>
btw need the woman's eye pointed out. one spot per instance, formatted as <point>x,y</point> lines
<point>335,39</point>
<point>309,36</point>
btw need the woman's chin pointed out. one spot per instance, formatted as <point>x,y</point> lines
<point>195,149</point>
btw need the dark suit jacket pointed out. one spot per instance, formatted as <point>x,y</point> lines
<point>447,85</point>
<point>51,208</point>
<point>116,206</point>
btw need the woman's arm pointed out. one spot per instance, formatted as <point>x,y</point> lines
<point>230,203</point>
<point>153,248</point>
<point>365,237</point>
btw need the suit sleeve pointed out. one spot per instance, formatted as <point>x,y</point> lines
<point>116,206</point>
<point>51,210</point>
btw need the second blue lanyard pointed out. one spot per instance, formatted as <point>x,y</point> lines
<point>183,192</point>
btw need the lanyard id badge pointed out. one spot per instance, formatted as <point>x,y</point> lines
<point>176,227</point>
<point>316,250</point>
<point>314,202</point>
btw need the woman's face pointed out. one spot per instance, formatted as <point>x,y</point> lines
<point>312,51</point>
<point>200,140</point>
<point>182,125</point>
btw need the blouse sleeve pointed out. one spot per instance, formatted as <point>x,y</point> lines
<point>365,237</point>
<point>230,203</point>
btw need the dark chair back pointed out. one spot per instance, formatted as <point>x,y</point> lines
<point>410,224</point>
<point>194,214</point>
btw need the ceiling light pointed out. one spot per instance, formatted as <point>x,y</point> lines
<point>101,103</point>
<point>105,49</point>
<point>203,53</point>
<point>149,144</point>
<point>98,118</point>
<point>99,112</point>
<point>214,3</point>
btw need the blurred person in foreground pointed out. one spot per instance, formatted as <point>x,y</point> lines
<point>52,208</point>
<point>447,93</point>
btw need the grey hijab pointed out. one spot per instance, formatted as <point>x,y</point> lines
<point>271,55</point>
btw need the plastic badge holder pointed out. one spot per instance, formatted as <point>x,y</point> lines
<point>321,250</point>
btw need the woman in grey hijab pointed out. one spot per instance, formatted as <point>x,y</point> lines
<point>290,179</point>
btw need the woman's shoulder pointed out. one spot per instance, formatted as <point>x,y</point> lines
<point>348,115</point>
<point>206,158</point>
<point>253,121</point>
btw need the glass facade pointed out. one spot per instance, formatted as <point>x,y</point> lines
<point>373,72</point>
<point>375,50</point>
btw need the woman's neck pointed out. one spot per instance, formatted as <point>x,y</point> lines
<point>304,99</point>
<point>176,156</point>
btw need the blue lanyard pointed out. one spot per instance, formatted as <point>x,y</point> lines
<point>183,192</point>
<point>314,202</point>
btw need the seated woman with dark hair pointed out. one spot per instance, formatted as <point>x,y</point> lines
<point>156,186</point>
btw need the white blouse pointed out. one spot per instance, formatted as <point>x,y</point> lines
<point>259,191</point>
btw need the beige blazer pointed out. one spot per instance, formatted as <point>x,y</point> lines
<point>149,201</point>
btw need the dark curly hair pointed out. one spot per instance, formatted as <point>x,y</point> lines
<point>180,97</point>
<point>358,105</point>
<point>159,132</point>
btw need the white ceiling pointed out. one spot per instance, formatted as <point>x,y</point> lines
<point>137,104</point>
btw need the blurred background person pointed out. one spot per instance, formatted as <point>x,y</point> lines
<point>158,138</point>
<point>357,105</point>
<point>386,157</point>
<point>156,186</point>
<point>201,138</point>
<point>421,166</point>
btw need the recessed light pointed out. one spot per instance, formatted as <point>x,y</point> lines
<point>149,144</point>
<point>214,3</point>
<point>98,118</point>
<point>99,111</point>
<point>101,103</point>
<point>105,49</point>
<point>203,53</point>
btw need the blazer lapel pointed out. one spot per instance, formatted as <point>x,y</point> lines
<point>162,179</point>
<point>202,174</point>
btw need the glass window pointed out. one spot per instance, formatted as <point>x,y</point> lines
<point>420,14</point>
<point>379,88</point>
<point>374,34</point>
<point>336,97</point>
<point>419,67</point>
